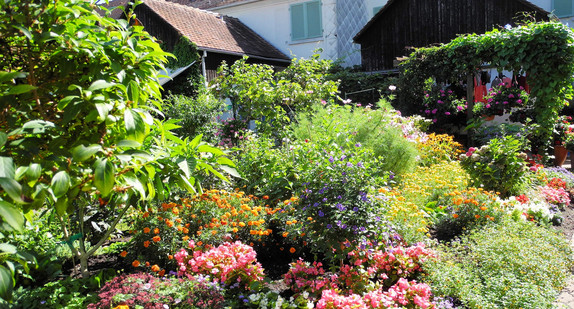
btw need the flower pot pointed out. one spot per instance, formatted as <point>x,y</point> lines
<point>560,154</point>
<point>487,117</point>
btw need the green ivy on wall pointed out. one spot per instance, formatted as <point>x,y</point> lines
<point>544,51</point>
<point>188,83</point>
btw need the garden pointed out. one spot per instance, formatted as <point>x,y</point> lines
<point>115,194</point>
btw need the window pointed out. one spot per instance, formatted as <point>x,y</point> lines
<point>562,8</point>
<point>306,20</point>
<point>376,10</point>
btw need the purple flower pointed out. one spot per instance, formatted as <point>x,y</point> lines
<point>434,111</point>
<point>331,160</point>
<point>439,102</point>
<point>349,164</point>
<point>359,164</point>
<point>459,108</point>
<point>321,214</point>
<point>447,113</point>
<point>510,96</point>
<point>487,105</point>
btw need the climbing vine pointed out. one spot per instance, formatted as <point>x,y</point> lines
<point>187,83</point>
<point>544,51</point>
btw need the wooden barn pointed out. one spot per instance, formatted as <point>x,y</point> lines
<point>218,37</point>
<point>403,24</point>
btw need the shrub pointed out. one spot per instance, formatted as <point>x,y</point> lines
<point>378,130</point>
<point>437,148</point>
<point>231,264</point>
<point>211,218</point>
<point>142,290</point>
<point>461,211</point>
<point>196,115</point>
<point>480,267</point>
<point>498,166</point>
<point>558,172</point>
<point>426,184</point>
<point>487,132</point>
<point>335,205</point>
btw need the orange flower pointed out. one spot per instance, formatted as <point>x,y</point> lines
<point>122,307</point>
<point>265,197</point>
<point>156,231</point>
<point>146,230</point>
<point>147,264</point>
<point>292,250</point>
<point>161,273</point>
<point>136,263</point>
<point>124,253</point>
<point>234,230</point>
<point>455,216</point>
<point>146,243</point>
<point>477,216</point>
<point>483,208</point>
<point>170,257</point>
<point>285,234</point>
<point>155,268</point>
<point>145,215</point>
<point>185,238</point>
<point>156,238</point>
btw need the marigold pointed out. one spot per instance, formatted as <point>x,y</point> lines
<point>292,250</point>
<point>146,243</point>
<point>156,238</point>
<point>136,263</point>
<point>477,216</point>
<point>146,230</point>
<point>455,216</point>
<point>124,253</point>
<point>155,268</point>
<point>156,231</point>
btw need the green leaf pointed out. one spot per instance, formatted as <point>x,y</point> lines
<point>37,126</point>
<point>8,248</point>
<point>133,181</point>
<point>33,173</point>
<point>81,153</point>
<point>6,283</point>
<point>210,149</point>
<point>225,161</point>
<point>187,166</point>
<point>3,139</point>
<point>12,187</point>
<point>230,170</point>
<point>135,126</point>
<point>103,110</point>
<point>9,76</point>
<point>104,176</point>
<point>12,215</point>
<point>62,205</point>
<point>195,141</point>
<point>20,172</point>
<point>60,183</point>
<point>19,89</point>
<point>126,143</point>
<point>100,84</point>
<point>134,91</point>
<point>7,167</point>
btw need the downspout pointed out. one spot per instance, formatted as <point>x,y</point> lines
<point>203,70</point>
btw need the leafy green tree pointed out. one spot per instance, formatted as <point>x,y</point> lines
<point>77,91</point>
<point>259,93</point>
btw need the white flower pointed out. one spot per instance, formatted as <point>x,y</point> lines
<point>392,87</point>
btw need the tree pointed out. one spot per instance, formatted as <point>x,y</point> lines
<point>77,93</point>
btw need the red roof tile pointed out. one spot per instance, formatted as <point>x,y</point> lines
<point>213,31</point>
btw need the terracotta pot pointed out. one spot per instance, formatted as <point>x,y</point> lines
<point>488,117</point>
<point>560,154</point>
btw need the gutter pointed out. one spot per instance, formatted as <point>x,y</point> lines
<point>219,51</point>
<point>225,6</point>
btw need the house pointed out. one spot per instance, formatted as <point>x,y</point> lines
<point>402,24</point>
<point>298,27</point>
<point>563,9</point>
<point>218,37</point>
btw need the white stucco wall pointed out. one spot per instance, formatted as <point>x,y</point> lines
<point>271,20</point>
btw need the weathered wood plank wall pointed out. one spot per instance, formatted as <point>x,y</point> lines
<point>418,23</point>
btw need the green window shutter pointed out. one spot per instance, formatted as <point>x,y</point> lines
<point>314,24</point>
<point>297,22</point>
<point>306,20</point>
<point>562,8</point>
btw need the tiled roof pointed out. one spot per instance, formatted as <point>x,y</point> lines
<point>213,31</point>
<point>206,4</point>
